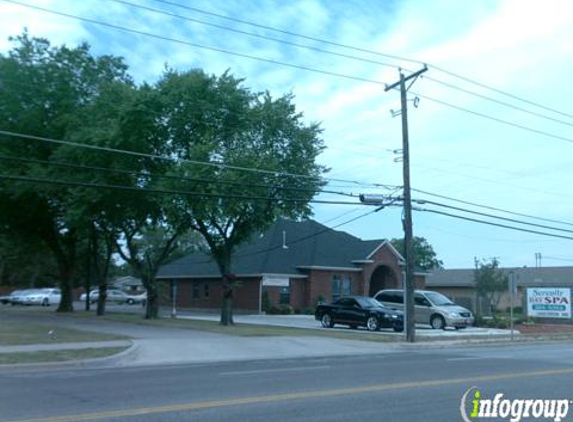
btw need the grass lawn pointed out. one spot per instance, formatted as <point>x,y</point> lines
<point>23,332</point>
<point>57,355</point>
<point>249,330</point>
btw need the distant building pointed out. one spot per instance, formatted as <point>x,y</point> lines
<point>459,284</point>
<point>128,284</point>
<point>292,263</point>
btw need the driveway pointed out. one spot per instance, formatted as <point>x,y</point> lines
<point>308,322</point>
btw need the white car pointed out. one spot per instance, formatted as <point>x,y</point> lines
<point>113,295</point>
<point>42,297</point>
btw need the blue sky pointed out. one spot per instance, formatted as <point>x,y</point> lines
<point>518,46</point>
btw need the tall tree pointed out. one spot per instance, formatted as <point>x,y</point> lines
<point>219,121</point>
<point>424,255</point>
<point>43,89</point>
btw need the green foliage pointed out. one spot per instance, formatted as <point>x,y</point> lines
<point>265,301</point>
<point>489,280</point>
<point>424,255</point>
<point>281,310</point>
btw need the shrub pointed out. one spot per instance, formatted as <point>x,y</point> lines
<point>286,310</point>
<point>309,311</point>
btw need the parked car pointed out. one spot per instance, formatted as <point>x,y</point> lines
<point>113,296</point>
<point>20,296</point>
<point>42,297</point>
<point>430,308</point>
<point>356,311</point>
<point>11,298</point>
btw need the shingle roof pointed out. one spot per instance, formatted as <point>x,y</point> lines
<point>308,244</point>
<point>526,276</point>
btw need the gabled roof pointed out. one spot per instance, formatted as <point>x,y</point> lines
<point>307,244</point>
<point>525,276</point>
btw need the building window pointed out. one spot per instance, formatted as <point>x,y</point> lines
<point>206,290</point>
<point>195,291</point>
<point>284,297</point>
<point>341,286</point>
<point>335,288</point>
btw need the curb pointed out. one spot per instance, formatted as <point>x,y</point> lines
<point>71,363</point>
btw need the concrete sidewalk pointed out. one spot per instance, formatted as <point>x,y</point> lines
<point>48,347</point>
<point>309,322</point>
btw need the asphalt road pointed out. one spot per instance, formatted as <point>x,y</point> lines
<point>418,384</point>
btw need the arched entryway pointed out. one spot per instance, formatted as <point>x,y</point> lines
<point>382,278</point>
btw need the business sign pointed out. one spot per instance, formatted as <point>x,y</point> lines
<point>275,281</point>
<point>549,302</point>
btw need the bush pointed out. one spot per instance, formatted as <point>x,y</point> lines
<point>309,311</point>
<point>281,310</point>
<point>286,310</point>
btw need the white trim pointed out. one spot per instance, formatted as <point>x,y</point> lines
<point>318,267</point>
<point>179,277</point>
<point>397,254</point>
<point>363,261</point>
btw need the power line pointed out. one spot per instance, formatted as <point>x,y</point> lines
<point>475,220</point>
<point>364,50</point>
<point>252,34</point>
<point>291,65</point>
<point>191,44</point>
<point>166,191</point>
<point>333,53</point>
<point>512,220</point>
<point>170,159</point>
<point>549,220</point>
<point>495,119</point>
<point>493,100</point>
<point>168,177</point>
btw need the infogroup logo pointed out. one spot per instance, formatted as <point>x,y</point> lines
<point>474,407</point>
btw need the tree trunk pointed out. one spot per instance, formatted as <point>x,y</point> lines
<point>101,299</point>
<point>66,287</point>
<point>227,305</point>
<point>152,305</point>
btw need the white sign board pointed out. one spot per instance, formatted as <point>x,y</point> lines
<point>549,302</point>
<point>275,281</point>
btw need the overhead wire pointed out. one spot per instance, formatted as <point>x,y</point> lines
<point>291,65</point>
<point>490,223</point>
<point>168,177</point>
<point>363,50</point>
<point>549,220</point>
<point>334,53</point>
<point>167,191</point>
<point>170,159</point>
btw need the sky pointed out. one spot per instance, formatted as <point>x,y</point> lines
<point>507,148</point>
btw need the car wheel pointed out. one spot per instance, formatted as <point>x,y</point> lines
<point>372,323</point>
<point>437,322</point>
<point>46,302</point>
<point>130,301</point>
<point>327,321</point>
<point>398,328</point>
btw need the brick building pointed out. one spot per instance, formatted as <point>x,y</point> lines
<point>294,263</point>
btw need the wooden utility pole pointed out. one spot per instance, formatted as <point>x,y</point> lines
<point>410,327</point>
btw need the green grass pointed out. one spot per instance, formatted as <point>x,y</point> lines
<point>23,332</point>
<point>248,330</point>
<point>57,355</point>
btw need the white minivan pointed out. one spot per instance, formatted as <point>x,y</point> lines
<point>430,308</point>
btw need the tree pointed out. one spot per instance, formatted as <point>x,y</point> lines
<point>43,89</point>
<point>489,280</point>
<point>424,255</point>
<point>218,120</point>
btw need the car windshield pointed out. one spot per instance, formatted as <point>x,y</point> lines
<point>368,302</point>
<point>439,299</point>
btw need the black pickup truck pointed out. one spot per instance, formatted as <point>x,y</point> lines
<point>356,311</point>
